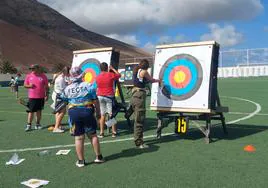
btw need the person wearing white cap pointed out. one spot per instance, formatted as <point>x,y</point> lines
<point>83,102</point>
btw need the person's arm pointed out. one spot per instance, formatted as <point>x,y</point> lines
<point>114,70</point>
<point>97,107</point>
<point>146,75</point>
<point>27,83</point>
<point>116,75</point>
<point>46,87</point>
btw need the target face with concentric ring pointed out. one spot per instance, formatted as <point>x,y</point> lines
<point>182,76</point>
<point>91,68</point>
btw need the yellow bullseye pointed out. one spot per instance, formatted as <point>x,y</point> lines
<point>179,77</point>
<point>88,77</point>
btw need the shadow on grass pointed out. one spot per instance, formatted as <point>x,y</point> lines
<point>150,124</point>
<point>235,131</point>
<point>131,152</point>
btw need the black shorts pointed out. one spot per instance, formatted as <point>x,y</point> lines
<point>16,88</point>
<point>36,104</point>
<point>83,121</point>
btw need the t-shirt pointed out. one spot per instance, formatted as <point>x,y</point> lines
<point>12,82</point>
<point>60,83</point>
<point>79,94</point>
<point>40,83</point>
<point>16,80</point>
<point>105,83</point>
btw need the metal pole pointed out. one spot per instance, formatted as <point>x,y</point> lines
<point>221,59</point>
<point>247,57</point>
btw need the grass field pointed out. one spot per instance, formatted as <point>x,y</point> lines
<point>172,161</point>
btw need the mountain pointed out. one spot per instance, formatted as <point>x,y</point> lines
<point>31,32</point>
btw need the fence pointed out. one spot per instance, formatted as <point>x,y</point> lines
<point>233,63</point>
<point>247,57</point>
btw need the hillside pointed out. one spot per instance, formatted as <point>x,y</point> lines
<point>31,32</point>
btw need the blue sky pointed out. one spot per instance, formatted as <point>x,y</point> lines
<point>235,24</point>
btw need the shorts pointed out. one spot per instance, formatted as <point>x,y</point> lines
<point>106,105</point>
<point>83,121</point>
<point>36,105</point>
<point>16,88</point>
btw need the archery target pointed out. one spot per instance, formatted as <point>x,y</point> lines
<point>89,61</point>
<point>188,72</point>
<point>182,76</point>
<point>122,72</point>
<point>91,69</point>
<point>129,73</point>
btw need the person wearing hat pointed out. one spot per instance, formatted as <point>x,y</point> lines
<point>37,84</point>
<point>83,103</point>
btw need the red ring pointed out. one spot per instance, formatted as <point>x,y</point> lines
<point>187,73</point>
<point>93,73</point>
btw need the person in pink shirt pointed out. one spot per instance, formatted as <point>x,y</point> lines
<point>105,92</point>
<point>37,84</point>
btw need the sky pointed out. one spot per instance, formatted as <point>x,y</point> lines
<point>234,24</point>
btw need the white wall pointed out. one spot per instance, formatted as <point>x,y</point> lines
<point>245,71</point>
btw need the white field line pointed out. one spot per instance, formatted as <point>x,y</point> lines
<point>50,114</point>
<point>258,109</point>
<point>72,145</point>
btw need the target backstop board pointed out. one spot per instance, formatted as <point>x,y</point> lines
<point>189,77</point>
<point>89,61</point>
<point>129,68</point>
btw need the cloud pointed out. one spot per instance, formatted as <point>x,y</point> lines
<point>165,39</point>
<point>122,17</point>
<point>129,39</point>
<point>227,36</point>
<point>266,28</point>
<point>150,47</point>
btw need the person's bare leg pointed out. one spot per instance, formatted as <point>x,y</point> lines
<point>102,124</point>
<point>95,144</point>
<point>59,116</point>
<point>30,118</point>
<point>114,129</point>
<point>79,146</point>
<point>38,117</point>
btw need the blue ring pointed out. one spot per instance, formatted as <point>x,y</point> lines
<point>192,83</point>
<point>93,65</point>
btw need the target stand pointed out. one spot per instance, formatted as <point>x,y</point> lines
<point>89,61</point>
<point>189,86</point>
<point>182,120</point>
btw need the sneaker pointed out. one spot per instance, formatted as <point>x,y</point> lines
<point>114,135</point>
<point>57,130</point>
<point>99,159</point>
<point>80,163</point>
<point>28,128</point>
<point>101,135</point>
<point>38,127</point>
<point>142,146</point>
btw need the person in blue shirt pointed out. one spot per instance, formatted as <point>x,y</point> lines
<point>83,103</point>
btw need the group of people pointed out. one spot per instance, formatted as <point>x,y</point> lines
<point>87,103</point>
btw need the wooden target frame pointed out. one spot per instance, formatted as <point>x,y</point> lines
<point>89,61</point>
<point>189,74</point>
